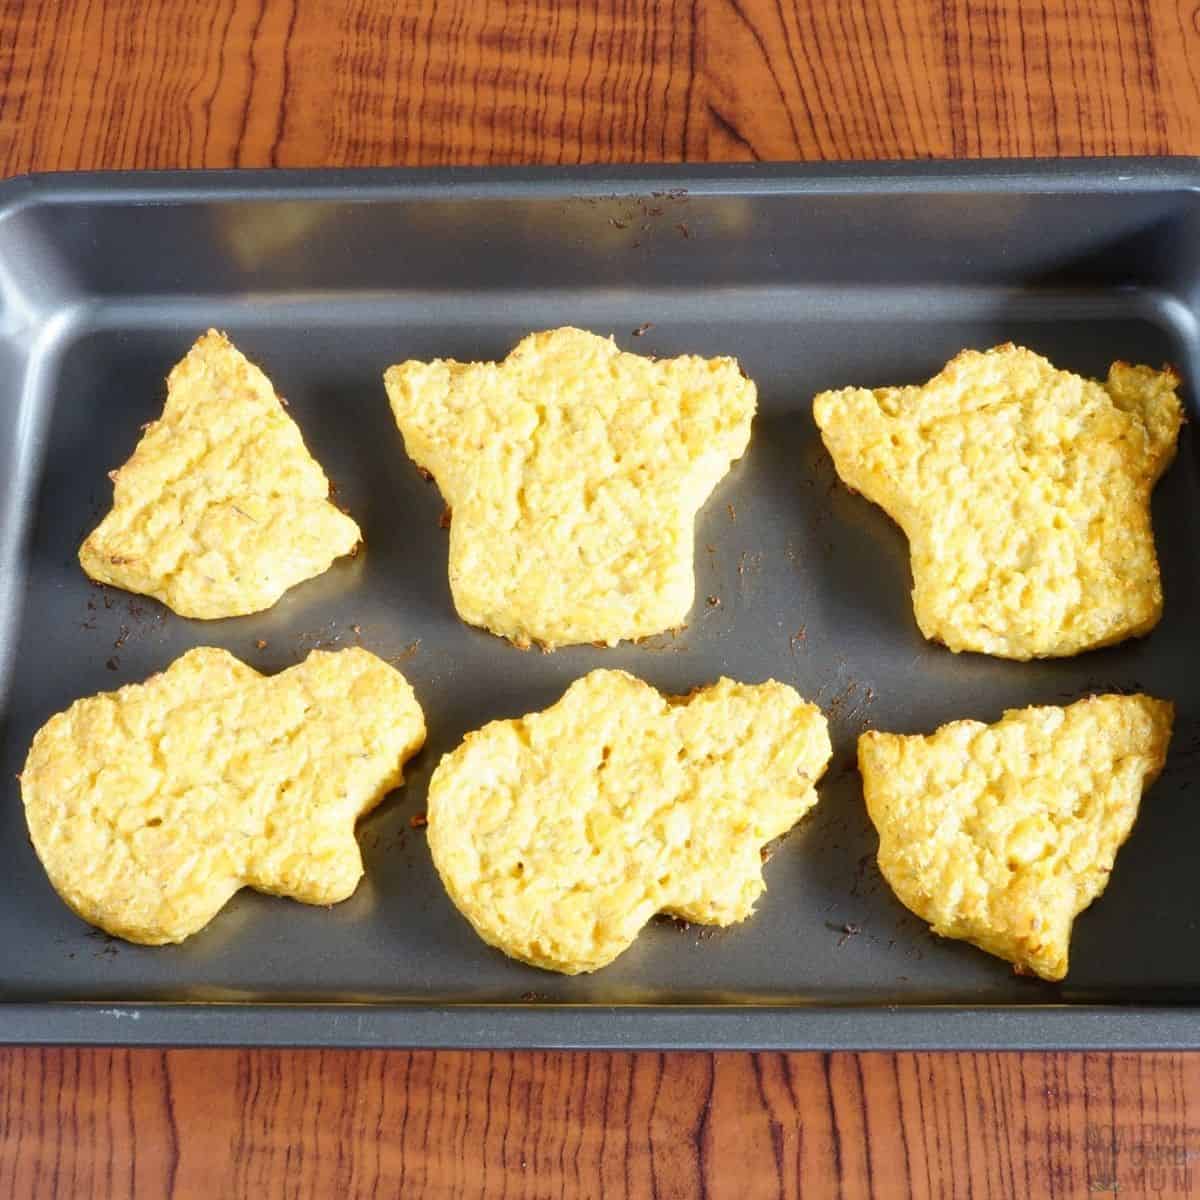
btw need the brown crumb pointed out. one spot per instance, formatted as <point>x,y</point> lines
<point>113,663</point>
<point>532,997</point>
<point>714,601</point>
<point>356,630</point>
<point>682,227</point>
<point>1021,969</point>
<point>643,329</point>
<point>425,475</point>
<point>122,637</point>
<point>321,640</point>
<point>860,872</point>
<point>618,224</point>
<point>732,513</point>
<point>408,652</point>
<point>261,643</point>
<point>666,919</point>
<point>418,820</point>
<point>848,930</point>
<point>444,519</point>
<point>748,564</point>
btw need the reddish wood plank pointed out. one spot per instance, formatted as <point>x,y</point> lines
<point>958,79</point>
<point>157,83</point>
<point>92,1123</point>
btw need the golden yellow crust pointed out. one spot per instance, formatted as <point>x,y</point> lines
<point>221,508</point>
<point>574,473</point>
<point>1024,492</point>
<point>1001,834</point>
<point>151,806</point>
<point>560,834</point>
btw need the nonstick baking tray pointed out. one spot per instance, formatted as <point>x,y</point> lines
<point>815,277</point>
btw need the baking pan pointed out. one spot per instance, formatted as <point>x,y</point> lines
<point>815,277</point>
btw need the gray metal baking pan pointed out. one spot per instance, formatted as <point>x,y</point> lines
<point>814,277</point>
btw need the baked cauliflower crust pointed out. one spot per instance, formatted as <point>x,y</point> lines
<point>151,806</point>
<point>1024,492</point>
<point>221,508</point>
<point>573,472</point>
<point>560,834</point>
<point>1001,834</point>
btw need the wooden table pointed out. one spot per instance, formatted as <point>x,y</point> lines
<point>155,83</point>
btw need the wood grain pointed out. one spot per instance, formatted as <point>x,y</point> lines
<point>744,1126</point>
<point>172,83</point>
<point>953,79</point>
<point>96,1123</point>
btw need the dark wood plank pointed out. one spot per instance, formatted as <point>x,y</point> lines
<point>171,83</point>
